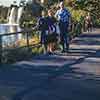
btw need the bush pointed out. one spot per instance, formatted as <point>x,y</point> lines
<point>2,20</point>
<point>28,21</point>
<point>14,55</point>
<point>97,23</point>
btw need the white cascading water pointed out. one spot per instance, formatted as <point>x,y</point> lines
<point>15,15</point>
<point>13,25</point>
<point>19,14</point>
<point>12,17</point>
<point>20,10</point>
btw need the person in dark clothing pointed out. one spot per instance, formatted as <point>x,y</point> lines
<point>42,27</point>
<point>63,16</point>
<point>51,35</point>
<point>88,23</point>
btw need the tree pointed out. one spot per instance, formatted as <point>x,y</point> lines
<point>92,6</point>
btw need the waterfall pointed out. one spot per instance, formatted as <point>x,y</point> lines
<point>13,15</point>
<point>13,25</point>
<point>20,10</point>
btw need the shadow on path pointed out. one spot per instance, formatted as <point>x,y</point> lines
<point>59,76</point>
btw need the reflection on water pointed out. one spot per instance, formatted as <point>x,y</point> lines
<point>18,39</point>
<point>6,28</point>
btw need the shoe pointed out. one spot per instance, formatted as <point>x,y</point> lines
<point>50,53</point>
<point>63,51</point>
<point>67,51</point>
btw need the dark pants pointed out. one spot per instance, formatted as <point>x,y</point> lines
<point>44,39</point>
<point>89,27</point>
<point>64,35</point>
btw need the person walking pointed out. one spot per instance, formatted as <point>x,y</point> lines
<point>88,23</point>
<point>51,35</point>
<point>63,16</point>
<point>42,27</point>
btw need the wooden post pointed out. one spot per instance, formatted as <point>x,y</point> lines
<point>0,49</point>
<point>27,39</point>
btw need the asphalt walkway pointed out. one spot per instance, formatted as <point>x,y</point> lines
<point>62,76</point>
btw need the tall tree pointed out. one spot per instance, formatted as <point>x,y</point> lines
<point>92,6</point>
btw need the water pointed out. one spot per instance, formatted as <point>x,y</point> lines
<point>13,16</point>
<point>11,27</point>
<point>20,10</point>
<point>8,28</point>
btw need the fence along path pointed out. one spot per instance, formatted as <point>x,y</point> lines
<point>27,33</point>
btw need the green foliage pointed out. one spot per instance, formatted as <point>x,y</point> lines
<point>92,6</point>
<point>11,56</point>
<point>14,55</point>
<point>37,50</point>
<point>76,14</point>
<point>97,22</point>
<point>28,21</point>
<point>2,20</point>
<point>31,11</point>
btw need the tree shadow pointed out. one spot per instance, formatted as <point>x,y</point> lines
<point>54,71</point>
<point>97,35</point>
<point>40,71</point>
<point>87,39</point>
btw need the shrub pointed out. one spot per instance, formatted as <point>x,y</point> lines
<point>14,55</point>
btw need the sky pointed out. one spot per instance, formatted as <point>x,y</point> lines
<point>8,2</point>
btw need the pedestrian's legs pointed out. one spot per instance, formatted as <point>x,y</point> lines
<point>67,47</point>
<point>91,27</point>
<point>43,41</point>
<point>50,48</point>
<point>66,38</point>
<point>61,26</point>
<point>62,42</point>
<point>45,48</point>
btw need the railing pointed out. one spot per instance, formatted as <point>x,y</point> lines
<point>27,35</point>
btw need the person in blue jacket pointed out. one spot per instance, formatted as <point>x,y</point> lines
<point>63,16</point>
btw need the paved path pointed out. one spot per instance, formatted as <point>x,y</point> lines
<point>73,76</point>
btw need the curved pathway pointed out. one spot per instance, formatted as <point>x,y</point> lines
<point>73,76</point>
